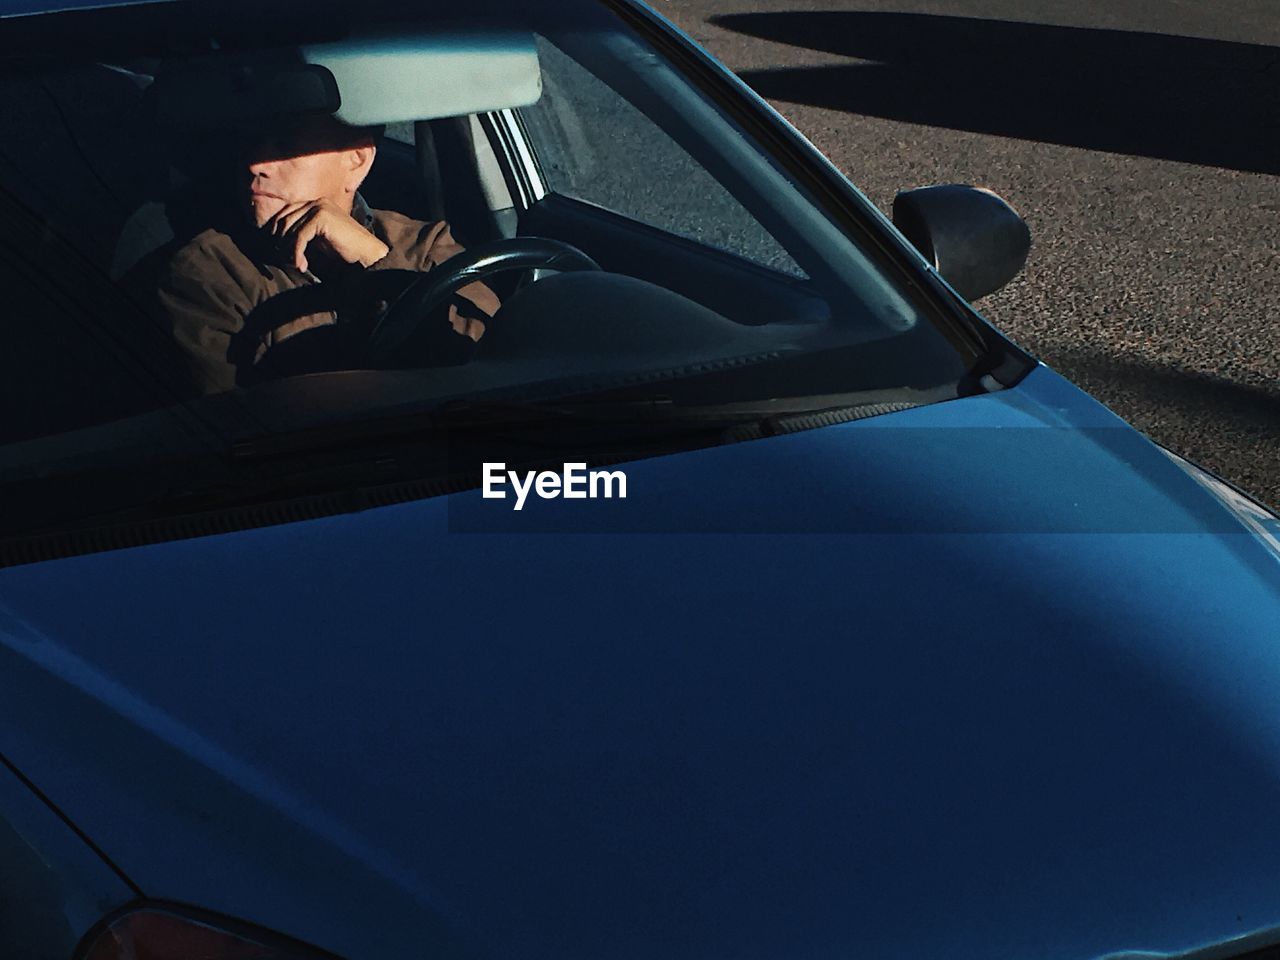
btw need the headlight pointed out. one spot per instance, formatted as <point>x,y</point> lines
<point>161,933</point>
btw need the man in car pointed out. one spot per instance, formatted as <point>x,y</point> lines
<point>295,256</point>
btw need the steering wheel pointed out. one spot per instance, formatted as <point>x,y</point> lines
<point>421,297</point>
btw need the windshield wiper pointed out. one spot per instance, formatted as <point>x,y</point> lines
<point>476,417</point>
<point>352,466</point>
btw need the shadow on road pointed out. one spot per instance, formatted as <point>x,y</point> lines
<point>1199,101</point>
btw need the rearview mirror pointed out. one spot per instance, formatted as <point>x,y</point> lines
<point>971,236</point>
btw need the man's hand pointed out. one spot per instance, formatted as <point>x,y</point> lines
<point>299,224</point>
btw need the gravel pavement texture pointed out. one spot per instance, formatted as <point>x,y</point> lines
<point>1139,140</point>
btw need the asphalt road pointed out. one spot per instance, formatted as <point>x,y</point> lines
<point>1140,139</point>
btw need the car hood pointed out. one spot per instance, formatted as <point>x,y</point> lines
<point>990,678</point>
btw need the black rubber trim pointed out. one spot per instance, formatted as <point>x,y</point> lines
<point>799,422</point>
<point>38,548</point>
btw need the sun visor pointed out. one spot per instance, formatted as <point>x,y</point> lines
<point>362,82</point>
<point>429,77</point>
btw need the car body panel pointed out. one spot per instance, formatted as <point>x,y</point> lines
<point>54,886</point>
<point>697,722</point>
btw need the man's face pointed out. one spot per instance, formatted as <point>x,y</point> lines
<point>300,163</point>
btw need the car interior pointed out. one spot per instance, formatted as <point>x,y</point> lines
<point>108,169</point>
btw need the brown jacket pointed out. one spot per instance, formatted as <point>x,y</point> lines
<point>216,283</point>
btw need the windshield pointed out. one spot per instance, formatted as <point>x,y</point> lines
<point>215,247</point>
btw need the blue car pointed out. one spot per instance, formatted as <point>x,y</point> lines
<point>477,483</point>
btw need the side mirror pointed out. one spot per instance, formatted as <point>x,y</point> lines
<point>971,236</point>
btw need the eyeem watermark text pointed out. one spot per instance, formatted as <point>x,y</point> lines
<point>575,483</point>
